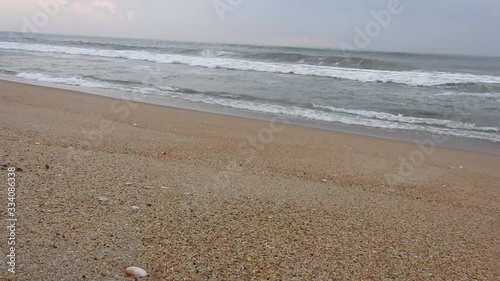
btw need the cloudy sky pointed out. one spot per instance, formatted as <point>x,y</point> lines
<point>428,26</point>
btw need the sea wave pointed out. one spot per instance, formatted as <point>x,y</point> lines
<point>212,53</point>
<point>347,119</point>
<point>74,81</point>
<point>409,119</point>
<point>411,78</point>
<point>7,71</point>
<point>466,94</point>
<point>328,60</point>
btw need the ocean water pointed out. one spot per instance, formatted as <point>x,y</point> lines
<point>454,96</point>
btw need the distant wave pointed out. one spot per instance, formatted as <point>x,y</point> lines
<point>338,61</point>
<point>99,45</point>
<point>212,53</point>
<point>411,78</point>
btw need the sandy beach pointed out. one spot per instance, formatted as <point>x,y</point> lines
<point>103,184</point>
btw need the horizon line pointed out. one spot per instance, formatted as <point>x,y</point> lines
<point>264,45</point>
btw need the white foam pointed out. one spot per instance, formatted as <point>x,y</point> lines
<point>211,54</point>
<point>409,119</point>
<point>74,81</point>
<point>412,78</point>
<point>465,94</point>
<point>358,120</point>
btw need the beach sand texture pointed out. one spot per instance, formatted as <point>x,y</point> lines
<point>107,184</point>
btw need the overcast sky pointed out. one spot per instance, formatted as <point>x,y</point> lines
<point>428,26</point>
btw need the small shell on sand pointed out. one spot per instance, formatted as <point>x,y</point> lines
<point>135,207</point>
<point>102,198</point>
<point>135,272</point>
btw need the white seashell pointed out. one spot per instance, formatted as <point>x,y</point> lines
<point>102,198</point>
<point>135,272</point>
<point>135,124</point>
<point>135,207</point>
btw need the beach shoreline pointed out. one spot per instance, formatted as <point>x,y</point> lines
<point>443,141</point>
<point>104,184</point>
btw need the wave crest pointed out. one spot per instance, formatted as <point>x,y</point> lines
<point>411,78</point>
